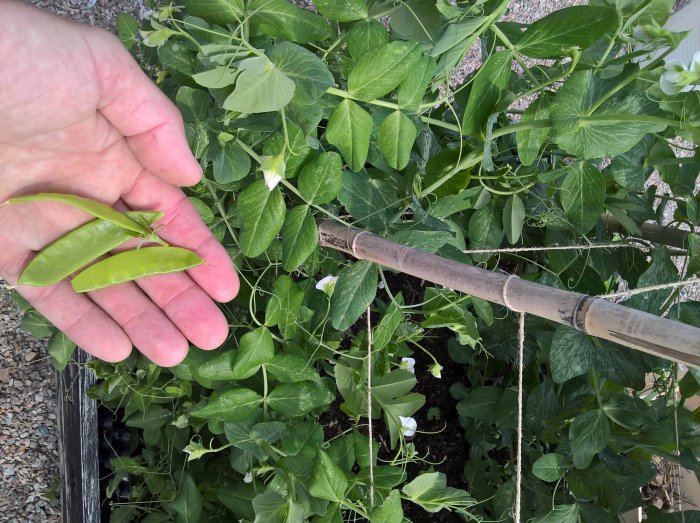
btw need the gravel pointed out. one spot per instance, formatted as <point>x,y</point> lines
<point>28,461</point>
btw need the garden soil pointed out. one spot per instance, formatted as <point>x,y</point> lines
<point>28,461</point>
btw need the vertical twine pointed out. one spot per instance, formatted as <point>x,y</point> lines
<point>369,408</point>
<point>519,442</point>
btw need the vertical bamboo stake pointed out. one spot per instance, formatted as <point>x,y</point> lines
<point>596,316</point>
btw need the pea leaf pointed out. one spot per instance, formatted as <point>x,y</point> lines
<point>194,104</point>
<point>455,34</point>
<point>609,130</point>
<point>662,270</point>
<point>354,292</point>
<point>270,507</point>
<point>61,349</point>
<point>320,180</point>
<point>589,434</point>
<point>188,502</point>
<point>480,403</point>
<point>572,354</point>
<point>431,492</point>
<point>485,230</point>
<point>235,405</point>
<point>412,89</point>
<point>279,18</point>
<point>328,481</point>
<point>127,29</point>
<point>550,467</point>
<point>366,35</point>
<point>342,10</point>
<point>283,307</point>
<point>380,70</point>
<point>577,26</point>
<point>560,514</point>
<point>513,218</point>
<point>395,138</point>
<point>262,216</point>
<point>415,20</point>
<point>349,129</point>
<point>256,349</point>
<point>531,141</point>
<point>582,195</point>
<point>299,237</point>
<point>287,368</point>
<point>364,201</point>
<point>390,511</point>
<point>261,87</point>
<point>489,86</point>
<point>310,75</point>
<point>216,78</point>
<point>230,162</point>
<point>216,11</point>
<point>296,399</point>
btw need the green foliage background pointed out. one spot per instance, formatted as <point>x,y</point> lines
<point>361,118</point>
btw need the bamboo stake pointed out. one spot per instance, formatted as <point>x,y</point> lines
<point>596,316</point>
<point>652,232</point>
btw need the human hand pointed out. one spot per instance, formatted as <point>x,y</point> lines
<point>78,116</point>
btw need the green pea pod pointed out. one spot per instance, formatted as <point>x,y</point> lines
<point>97,209</point>
<point>79,247</point>
<point>131,265</point>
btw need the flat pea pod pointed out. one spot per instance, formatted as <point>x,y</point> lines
<point>97,209</point>
<point>131,265</point>
<point>79,247</point>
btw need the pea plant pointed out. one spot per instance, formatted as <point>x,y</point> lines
<point>358,111</point>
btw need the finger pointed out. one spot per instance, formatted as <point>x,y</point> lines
<point>80,319</point>
<point>188,307</point>
<point>149,329</point>
<point>183,227</point>
<point>141,112</point>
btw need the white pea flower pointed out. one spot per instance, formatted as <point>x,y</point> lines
<point>678,78</point>
<point>408,426</point>
<point>327,284</point>
<point>273,168</point>
<point>436,370</point>
<point>248,478</point>
<point>408,364</point>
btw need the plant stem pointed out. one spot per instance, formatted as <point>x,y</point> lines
<point>265,391</point>
<point>575,57</point>
<point>255,156</point>
<point>503,38</point>
<point>596,387</point>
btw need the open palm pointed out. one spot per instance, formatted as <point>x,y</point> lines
<point>78,116</point>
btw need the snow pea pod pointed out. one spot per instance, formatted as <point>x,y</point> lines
<point>97,209</point>
<point>79,247</point>
<point>131,265</point>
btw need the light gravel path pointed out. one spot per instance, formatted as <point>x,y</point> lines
<point>28,445</point>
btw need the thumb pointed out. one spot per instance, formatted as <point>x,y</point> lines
<point>150,122</point>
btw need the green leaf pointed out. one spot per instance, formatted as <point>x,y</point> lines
<point>578,26</point>
<point>550,467</point>
<point>610,130</point>
<point>513,218</point>
<point>256,349</point>
<point>128,29</point>
<point>261,87</point>
<point>216,78</point>
<point>296,399</point>
<point>349,129</point>
<point>662,270</point>
<point>283,306</point>
<point>390,510</point>
<point>328,481</point>
<point>559,514</point>
<point>380,70</point>
<point>194,104</point>
<point>216,11</point>
<point>395,138</point>
<point>188,502</point>
<point>589,434</point>
<point>412,89</point>
<point>363,201</point>
<point>230,162</point>
<point>431,492</point>
<point>154,418</point>
<point>530,142</point>
<point>295,151</point>
<point>270,507</point>
<point>485,231</point>
<point>480,403</point>
<point>366,35</point>
<point>489,86</point>
<point>299,237</point>
<point>320,180</point>
<point>310,75</point>
<point>61,350</point>
<point>235,405</point>
<point>415,20</point>
<point>262,216</point>
<point>455,34</point>
<point>287,368</point>
<point>572,354</point>
<point>392,318</point>
<point>582,196</point>
<point>342,10</point>
<point>354,292</point>
<point>218,368</point>
<point>279,18</point>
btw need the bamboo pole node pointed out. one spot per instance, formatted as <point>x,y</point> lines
<point>504,293</point>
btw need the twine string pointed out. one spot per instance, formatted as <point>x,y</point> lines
<point>369,408</point>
